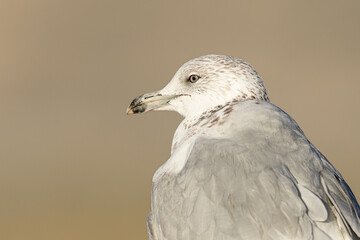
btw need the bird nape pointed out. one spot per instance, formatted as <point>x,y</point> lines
<point>240,167</point>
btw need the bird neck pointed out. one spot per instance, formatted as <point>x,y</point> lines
<point>199,124</point>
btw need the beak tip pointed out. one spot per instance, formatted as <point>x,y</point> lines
<point>129,111</point>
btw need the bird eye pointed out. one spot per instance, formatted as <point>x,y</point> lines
<point>193,78</point>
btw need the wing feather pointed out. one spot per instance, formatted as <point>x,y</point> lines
<point>226,190</point>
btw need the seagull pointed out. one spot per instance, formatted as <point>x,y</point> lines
<point>240,167</point>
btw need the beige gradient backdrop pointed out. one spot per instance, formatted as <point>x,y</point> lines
<point>74,166</point>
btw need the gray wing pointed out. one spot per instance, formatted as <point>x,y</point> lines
<point>341,198</point>
<point>231,191</point>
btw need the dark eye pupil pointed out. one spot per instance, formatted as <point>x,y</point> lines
<point>193,78</point>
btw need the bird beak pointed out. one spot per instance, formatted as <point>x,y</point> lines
<point>148,102</point>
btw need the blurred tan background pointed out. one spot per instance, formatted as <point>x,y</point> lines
<point>74,166</point>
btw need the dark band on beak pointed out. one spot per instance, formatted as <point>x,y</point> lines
<point>150,101</point>
<point>147,102</point>
<point>138,105</point>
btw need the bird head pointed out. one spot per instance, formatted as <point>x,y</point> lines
<point>202,84</point>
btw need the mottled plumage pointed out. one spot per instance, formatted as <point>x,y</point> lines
<point>240,167</point>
